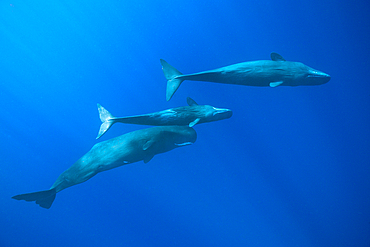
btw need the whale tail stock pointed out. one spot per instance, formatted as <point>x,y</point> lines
<point>43,198</point>
<point>171,74</point>
<point>107,120</point>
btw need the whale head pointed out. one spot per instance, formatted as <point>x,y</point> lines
<point>316,77</point>
<point>308,76</point>
<point>206,113</point>
<point>162,139</point>
<point>215,114</point>
<point>178,136</point>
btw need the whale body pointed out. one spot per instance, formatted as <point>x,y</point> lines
<point>186,115</point>
<point>261,73</point>
<point>125,149</point>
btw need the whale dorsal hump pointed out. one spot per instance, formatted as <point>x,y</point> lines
<point>190,101</point>
<point>276,57</point>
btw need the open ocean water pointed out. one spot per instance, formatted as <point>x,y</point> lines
<point>291,167</point>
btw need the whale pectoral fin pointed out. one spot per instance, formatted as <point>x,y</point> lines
<point>148,158</point>
<point>194,122</point>
<point>276,57</point>
<point>276,83</point>
<point>190,101</point>
<point>148,144</point>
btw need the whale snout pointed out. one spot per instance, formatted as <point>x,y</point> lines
<point>316,77</point>
<point>191,135</point>
<point>186,136</point>
<point>222,113</point>
<point>326,77</point>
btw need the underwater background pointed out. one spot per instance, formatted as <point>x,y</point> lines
<point>291,167</point>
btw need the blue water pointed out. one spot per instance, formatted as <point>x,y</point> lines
<point>290,168</point>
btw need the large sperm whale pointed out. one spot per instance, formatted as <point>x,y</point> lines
<point>125,149</point>
<point>262,73</point>
<point>185,115</point>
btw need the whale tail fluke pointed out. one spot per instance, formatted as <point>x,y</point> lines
<point>107,120</point>
<point>43,198</point>
<point>173,82</point>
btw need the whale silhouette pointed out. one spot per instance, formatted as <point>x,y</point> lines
<point>125,149</point>
<point>262,73</point>
<point>185,115</point>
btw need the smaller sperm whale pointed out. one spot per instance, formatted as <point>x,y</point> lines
<point>185,115</point>
<point>261,73</point>
<point>129,148</point>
